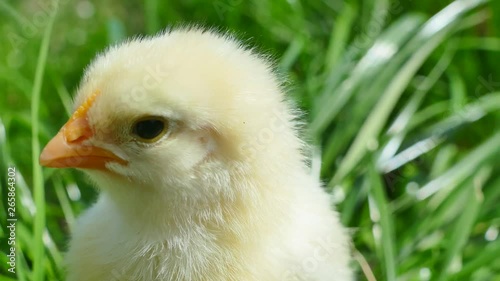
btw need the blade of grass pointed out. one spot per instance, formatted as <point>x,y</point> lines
<point>3,278</point>
<point>397,127</point>
<point>352,201</point>
<point>491,196</point>
<point>64,202</point>
<point>426,114</point>
<point>480,43</point>
<point>463,169</point>
<point>339,36</point>
<point>443,160</point>
<point>151,16</point>
<point>54,252</point>
<point>38,189</point>
<point>484,258</point>
<point>470,113</point>
<point>20,20</point>
<point>291,54</point>
<point>386,222</point>
<point>463,226</point>
<point>435,216</point>
<point>3,143</point>
<point>458,90</point>
<point>63,94</point>
<point>369,65</point>
<point>24,237</point>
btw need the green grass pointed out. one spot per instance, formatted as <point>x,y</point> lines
<point>402,97</point>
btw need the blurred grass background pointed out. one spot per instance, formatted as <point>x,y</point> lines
<point>402,98</point>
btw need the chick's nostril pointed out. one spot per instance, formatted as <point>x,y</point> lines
<point>77,130</point>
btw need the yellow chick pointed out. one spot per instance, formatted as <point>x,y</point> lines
<point>202,175</point>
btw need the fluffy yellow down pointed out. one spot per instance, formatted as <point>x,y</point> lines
<point>226,194</point>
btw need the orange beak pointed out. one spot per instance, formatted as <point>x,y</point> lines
<point>67,148</point>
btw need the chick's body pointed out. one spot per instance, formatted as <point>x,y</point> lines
<point>225,194</point>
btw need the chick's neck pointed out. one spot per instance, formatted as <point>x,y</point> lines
<point>242,208</point>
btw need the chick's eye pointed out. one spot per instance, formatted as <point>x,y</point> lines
<point>150,129</point>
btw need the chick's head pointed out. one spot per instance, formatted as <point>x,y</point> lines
<point>180,109</point>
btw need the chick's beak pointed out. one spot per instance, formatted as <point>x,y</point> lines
<point>68,148</point>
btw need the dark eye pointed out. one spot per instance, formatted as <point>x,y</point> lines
<point>149,129</point>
